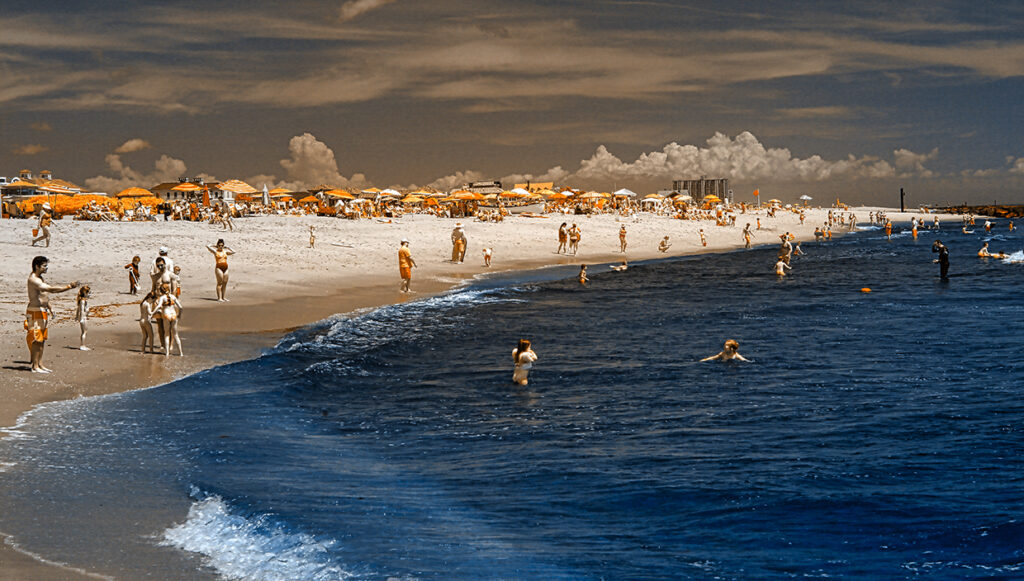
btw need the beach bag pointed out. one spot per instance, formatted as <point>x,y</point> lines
<point>35,232</point>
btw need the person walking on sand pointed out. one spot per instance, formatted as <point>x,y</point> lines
<point>781,267</point>
<point>943,259</point>
<point>622,238</point>
<point>312,236</point>
<point>405,265</point>
<point>220,269</point>
<point>82,315</point>
<point>133,275</point>
<point>523,358</point>
<point>728,353</point>
<point>154,273</point>
<point>574,239</point>
<point>747,235</point>
<point>43,224</point>
<point>563,238</point>
<point>38,312</point>
<point>458,243</point>
<point>703,239</point>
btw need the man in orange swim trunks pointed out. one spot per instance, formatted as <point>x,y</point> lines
<point>405,264</point>
<point>38,312</point>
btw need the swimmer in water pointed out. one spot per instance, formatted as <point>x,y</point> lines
<point>985,253</point>
<point>781,267</point>
<point>523,358</point>
<point>620,267</point>
<point>966,231</point>
<point>583,274</point>
<point>729,352</point>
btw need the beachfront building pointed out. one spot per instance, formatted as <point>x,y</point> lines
<point>484,187</point>
<point>536,186</point>
<point>26,185</point>
<point>198,188</point>
<point>703,187</point>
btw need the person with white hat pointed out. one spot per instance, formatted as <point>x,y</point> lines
<point>405,264</point>
<point>43,226</point>
<point>458,243</point>
<point>155,273</point>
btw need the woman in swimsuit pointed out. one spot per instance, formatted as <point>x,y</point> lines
<point>170,311</point>
<point>563,238</point>
<point>146,308</point>
<point>523,358</point>
<point>82,314</point>
<point>221,253</point>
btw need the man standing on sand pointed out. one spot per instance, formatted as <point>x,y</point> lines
<point>38,312</point>
<point>405,264</point>
<point>458,243</point>
<point>155,273</point>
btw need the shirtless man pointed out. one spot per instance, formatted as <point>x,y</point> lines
<point>728,353</point>
<point>38,312</point>
<point>155,274</point>
<point>747,235</point>
<point>405,265</point>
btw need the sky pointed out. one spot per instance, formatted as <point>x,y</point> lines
<point>849,100</point>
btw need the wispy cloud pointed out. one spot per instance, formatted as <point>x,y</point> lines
<point>354,8</point>
<point>33,149</point>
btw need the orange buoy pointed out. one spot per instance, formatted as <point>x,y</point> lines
<point>865,290</point>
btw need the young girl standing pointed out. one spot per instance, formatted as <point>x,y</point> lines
<point>82,314</point>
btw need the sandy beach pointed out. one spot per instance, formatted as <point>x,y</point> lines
<point>277,283</point>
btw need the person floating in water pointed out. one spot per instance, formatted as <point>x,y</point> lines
<point>966,231</point>
<point>943,259</point>
<point>620,267</point>
<point>985,253</point>
<point>729,352</point>
<point>523,358</point>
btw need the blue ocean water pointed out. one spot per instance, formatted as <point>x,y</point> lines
<point>873,436</point>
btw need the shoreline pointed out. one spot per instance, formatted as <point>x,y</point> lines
<point>257,322</point>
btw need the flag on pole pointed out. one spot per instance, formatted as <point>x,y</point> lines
<point>757,192</point>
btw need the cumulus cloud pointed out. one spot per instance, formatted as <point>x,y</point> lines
<point>456,179</point>
<point>1017,166</point>
<point>311,163</point>
<point>31,149</point>
<point>354,8</point>
<point>165,169</point>
<point>132,145</point>
<point>910,164</point>
<point>743,158</point>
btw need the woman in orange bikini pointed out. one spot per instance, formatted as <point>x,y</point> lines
<point>221,253</point>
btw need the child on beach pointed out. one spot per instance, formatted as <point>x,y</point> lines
<point>487,256</point>
<point>583,274</point>
<point>133,275</point>
<point>728,353</point>
<point>82,314</point>
<point>312,236</point>
<point>146,312</point>
<point>622,238</point>
<point>703,239</point>
<point>664,245</point>
<point>523,358</point>
<point>781,267</point>
<point>176,281</point>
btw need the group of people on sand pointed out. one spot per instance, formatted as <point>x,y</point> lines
<point>161,305</point>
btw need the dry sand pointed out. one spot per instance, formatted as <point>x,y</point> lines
<point>278,283</point>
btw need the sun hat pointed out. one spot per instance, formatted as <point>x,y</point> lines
<point>405,240</point>
<point>163,250</point>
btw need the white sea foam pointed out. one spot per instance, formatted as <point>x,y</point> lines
<point>1015,258</point>
<point>258,549</point>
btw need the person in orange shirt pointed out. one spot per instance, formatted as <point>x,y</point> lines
<point>888,230</point>
<point>405,264</point>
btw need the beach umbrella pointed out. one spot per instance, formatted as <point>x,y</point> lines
<point>594,196</point>
<point>411,199</point>
<point>520,191</point>
<point>490,197</point>
<point>281,195</point>
<point>134,192</point>
<point>558,196</point>
<point>465,196</point>
<point>511,194</point>
<point>341,194</point>
<point>390,192</point>
<point>237,187</point>
<point>774,201</point>
<point>806,197</point>
<point>309,200</point>
<point>186,187</point>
